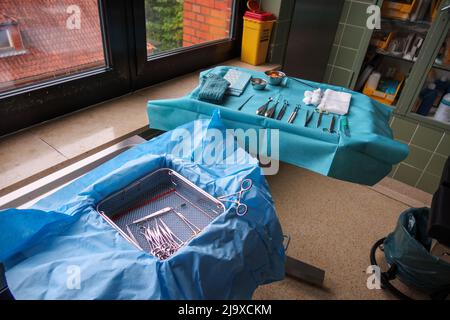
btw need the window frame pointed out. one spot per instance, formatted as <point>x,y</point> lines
<point>127,68</point>
<point>173,63</point>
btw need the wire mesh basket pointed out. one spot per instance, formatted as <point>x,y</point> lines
<point>160,212</point>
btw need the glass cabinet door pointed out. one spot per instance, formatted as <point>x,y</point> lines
<point>431,101</point>
<point>395,48</point>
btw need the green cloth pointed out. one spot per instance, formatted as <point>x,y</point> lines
<point>213,88</point>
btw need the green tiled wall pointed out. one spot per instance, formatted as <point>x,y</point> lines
<point>429,149</point>
<point>345,57</point>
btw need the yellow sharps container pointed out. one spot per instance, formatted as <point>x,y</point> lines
<point>256,36</point>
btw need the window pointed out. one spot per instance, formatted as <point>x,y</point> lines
<point>174,24</point>
<point>61,39</point>
<point>67,55</point>
<point>5,42</point>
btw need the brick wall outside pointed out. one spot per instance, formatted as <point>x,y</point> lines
<point>206,20</point>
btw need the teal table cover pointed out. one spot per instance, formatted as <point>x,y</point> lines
<point>364,154</point>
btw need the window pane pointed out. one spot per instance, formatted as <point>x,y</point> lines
<point>173,24</point>
<point>47,39</point>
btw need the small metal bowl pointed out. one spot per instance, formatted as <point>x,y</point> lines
<point>275,77</point>
<point>258,83</point>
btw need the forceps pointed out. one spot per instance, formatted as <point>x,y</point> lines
<point>262,110</point>
<point>241,208</point>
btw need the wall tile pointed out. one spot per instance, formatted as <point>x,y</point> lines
<point>407,174</point>
<point>444,146</point>
<point>333,54</point>
<point>339,30</point>
<point>418,157</point>
<point>394,168</point>
<point>340,77</point>
<point>436,165</point>
<point>428,183</point>
<point>427,138</point>
<point>352,36</point>
<point>345,58</point>
<point>403,130</point>
<point>327,75</point>
<point>345,10</point>
<point>358,15</point>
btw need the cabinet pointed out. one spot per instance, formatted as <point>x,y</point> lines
<point>410,51</point>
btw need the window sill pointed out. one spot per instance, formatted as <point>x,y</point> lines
<point>38,151</point>
<point>12,53</point>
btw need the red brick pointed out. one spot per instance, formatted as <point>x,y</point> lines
<point>218,32</point>
<point>205,11</point>
<point>222,5</point>
<point>200,18</point>
<point>204,27</point>
<point>189,15</point>
<point>187,37</point>
<point>216,22</point>
<point>196,8</point>
<point>201,34</point>
<point>189,30</point>
<point>187,6</point>
<point>206,3</point>
<point>219,14</point>
<point>196,25</point>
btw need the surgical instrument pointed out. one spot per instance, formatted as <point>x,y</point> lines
<point>283,110</point>
<point>293,114</point>
<point>161,240</point>
<point>271,111</point>
<point>344,125</point>
<point>242,105</point>
<point>152,215</point>
<point>331,128</point>
<point>188,223</point>
<point>241,208</point>
<point>157,213</point>
<point>262,110</point>
<point>302,82</point>
<point>319,120</point>
<point>308,117</point>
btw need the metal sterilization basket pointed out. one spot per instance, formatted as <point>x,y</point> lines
<point>163,201</point>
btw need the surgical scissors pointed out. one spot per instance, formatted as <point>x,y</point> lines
<point>241,208</point>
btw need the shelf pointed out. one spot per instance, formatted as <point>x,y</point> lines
<point>419,26</point>
<point>390,55</point>
<point>441,67</point>
<point>428,120</point>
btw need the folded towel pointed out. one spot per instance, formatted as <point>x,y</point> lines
<point>213,88</point>
<point>335,102</point>
<point>238,81</point>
